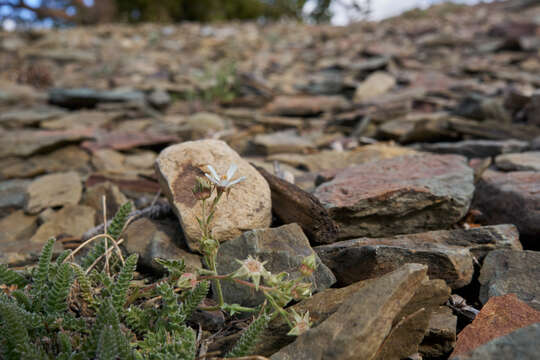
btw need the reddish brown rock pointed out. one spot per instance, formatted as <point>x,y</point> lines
<point>500,316</point>
<point>127,140</point>
<point>512,198</point>
<point>305,105</point>
<point>28,142</point>
<point>400,195</point>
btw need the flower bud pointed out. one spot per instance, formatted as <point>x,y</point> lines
<point>187,281</point>
<point>301,291</point>
<point>301,323</point>
<point>308,265</point>
<point>202,189</point>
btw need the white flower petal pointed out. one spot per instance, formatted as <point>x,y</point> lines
<point>213,172</point>
<point>212,179</point>
<point>236,181</point>
<point>231,171</point>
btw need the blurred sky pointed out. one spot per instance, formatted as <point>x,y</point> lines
<point>380,9</point>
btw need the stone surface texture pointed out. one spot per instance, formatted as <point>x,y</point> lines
<point>500,316</point>
<point>521,344</point>
<point>53,190</point>
<point>158,239</point>
<point>440,337</point>
<point>361,324</point>
<point>248,205</point>
<point>399,195</point>
<point>364,258</point>
<point>527,161</point>
<point>284,249</point>
<point>509,271</point>
<point>511,198</point>
<point>70,221</point>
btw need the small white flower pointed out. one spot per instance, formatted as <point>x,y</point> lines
<point>225,181</point>
<point>301,323</point>
<point>252,268</point>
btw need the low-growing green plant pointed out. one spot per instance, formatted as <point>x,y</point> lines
<point>219,84</point>
<point>278,289</point>
<point>64,310</point>
<point>91,309</point>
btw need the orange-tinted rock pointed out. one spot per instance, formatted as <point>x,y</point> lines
<point>500,316</point>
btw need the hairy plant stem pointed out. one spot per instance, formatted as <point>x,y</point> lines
<point>210,256</point>
<point>217,283</point>
<point>239,281</point>
<point>279,310</point>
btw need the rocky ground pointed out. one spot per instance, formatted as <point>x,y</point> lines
<point>405,153</point>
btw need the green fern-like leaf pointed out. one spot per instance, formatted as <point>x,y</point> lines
<point>14,340</point>
<point>137,319</point>
<point>42,272</point>
<point>64,342</point>
<point>175,267</point>
<point>107,348</point>
<point>107,317</point>
<point>22,299</point>
<point>41,275</point>
<point>11,277</point>
<point>161,344</point>
<point>171,316</point>
<point>84,284</point>
<point>119,220</point>
<point>249,338</point>
<point>60,259</point>
<point>114,230</point>
<point>58,293</point>
<point>194,298</point>
<point>103,319</point>
<point>95,252</point>
<point>120,288</point>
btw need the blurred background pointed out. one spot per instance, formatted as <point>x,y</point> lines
<point>49,13</point>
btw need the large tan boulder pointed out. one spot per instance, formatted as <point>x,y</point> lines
<point>248,205</point>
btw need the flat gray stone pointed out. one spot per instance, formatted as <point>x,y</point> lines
<point>13,193</point>
<point>526,161</point>
<point>510,198</point>
<point>509,271</point>
<point>29,117</point>
<point>88,98</point>
<point>158,239</point>
<point>366,258</point>
<point>284,248</point>
<point>476,148</point>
